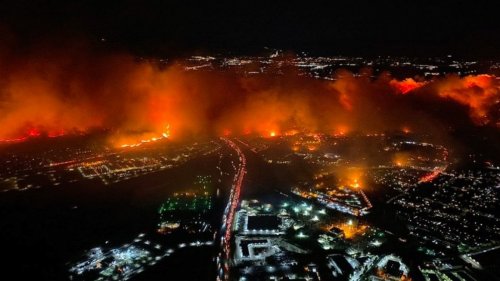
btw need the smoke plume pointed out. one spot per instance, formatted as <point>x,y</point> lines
<point>55,93</point>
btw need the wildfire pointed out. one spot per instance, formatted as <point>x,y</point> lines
<point>341,130</point>
<point>56,133</point>
<point>9,140</point>
<point>432,175</point>
<point>291,132</point>
<point>312,147</point>
<point>145,138</point>
<point>122,94</point>
<point>401,159</point>
<point>350,228</point>
<point>481,94</point>
<point>272,134</point>
<point>407,85</point>
<point>32,133</point>
<point>355,184</point>
<point>350,177</point>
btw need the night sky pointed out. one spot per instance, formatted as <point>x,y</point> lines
<point>415,28</point>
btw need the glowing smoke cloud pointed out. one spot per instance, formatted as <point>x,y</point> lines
<point>141,102</point>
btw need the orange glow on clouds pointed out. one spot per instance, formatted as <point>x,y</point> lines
<point>67,93</point>
<point>481,94</point>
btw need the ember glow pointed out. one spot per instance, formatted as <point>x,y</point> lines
<point>431,175</point>
<point>350,177</point>
<point>350,229</point>
<point>401,159</point>
<point>136,99</point>
<point>134,141</point>
<point>407,85</point>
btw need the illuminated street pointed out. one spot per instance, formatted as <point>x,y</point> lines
<point>228,218</point>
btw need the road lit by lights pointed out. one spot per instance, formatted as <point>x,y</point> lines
<point>229,212</point>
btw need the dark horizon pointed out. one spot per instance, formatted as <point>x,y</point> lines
<point>349,28</point>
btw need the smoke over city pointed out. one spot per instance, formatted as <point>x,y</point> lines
<point>55,93</point>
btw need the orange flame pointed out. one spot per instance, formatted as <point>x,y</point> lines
<point>407,85</point>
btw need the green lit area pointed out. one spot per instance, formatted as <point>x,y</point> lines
<point>188,211</point>
<point>198,201</point>
<point>186,202</point>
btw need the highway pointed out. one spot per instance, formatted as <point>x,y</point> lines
<point>224,256</point>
